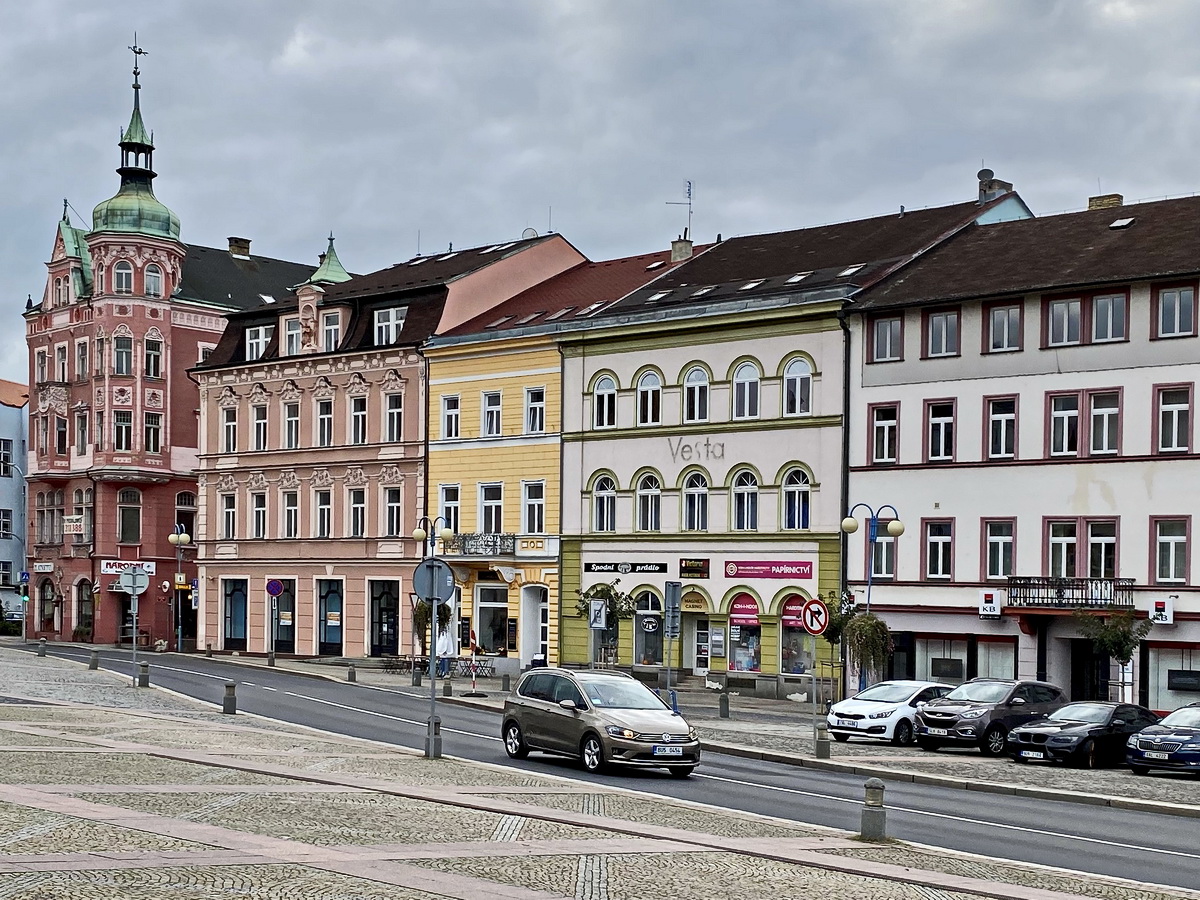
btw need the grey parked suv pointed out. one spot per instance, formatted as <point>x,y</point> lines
<point>982,711</point>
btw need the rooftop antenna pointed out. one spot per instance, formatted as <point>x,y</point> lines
<point>687,203</point>
<point>549,220</point>
<point>418,242</point>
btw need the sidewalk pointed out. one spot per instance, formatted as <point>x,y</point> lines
<point>112,791</point>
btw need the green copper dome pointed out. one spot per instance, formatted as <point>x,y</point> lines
<point>135,209</point>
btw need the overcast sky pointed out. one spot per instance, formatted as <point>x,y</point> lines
<point>467,121</point>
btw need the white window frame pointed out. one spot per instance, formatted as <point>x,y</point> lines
<point>1176,315</point>
<point>122,430</point>
<point>257,338</point>
<point>797,501</point>
<point>649,399</point>
<point>450,505</point>
<point>229,429</point>
<point>1104,426</point>
<point>258,515</point>
<point>604,403</point>
<point>393,510</point>
<point>451,416</point>
<point>491,417</point>
<point>885,446</point>
<point>887,343</point>
<point>1064,425</point>
<point>1063,552</point>
<point>356,501</point>
<point>1002,428</point>
<point>942,333</point>
<point>695,502</point>
<point>123,277</point>
<point>999,537</point>
<point>152,432</point>
<point>1104,544</point>
<point>695,395</point>
<point>883,556</point>
<point>260,426</point>
<point>331,331</point>
<point>152,357</point>
<point>394,414</point>
<point>291,514</point>
<point>291,336</point>
<point>122,355</point>
<point>746,384</point>
<point>535,410</point>
<point>1064,325</point>
<point>388,325</point>
<point>745,501</point>
<point>324,423</point>
<point>649,503</point>
<point>1109,319</point>
<point>533,506</point>
<point>491,507</point>
<point>604,505</point>
<point>1171,550</point>
<point>323,509</point>
<point>152,278</point>
<point>1004,329</point>
<point>358,420</point>
<point>229,517</point>
<point>797,388</point>
<point>1174,421</point>
<point>939,550</point>
<point>941,430</point>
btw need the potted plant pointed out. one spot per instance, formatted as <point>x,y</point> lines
<point>868,643</point>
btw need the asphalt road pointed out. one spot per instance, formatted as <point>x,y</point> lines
<point>1142,846</point>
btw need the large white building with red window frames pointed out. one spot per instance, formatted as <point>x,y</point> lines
<point>1024,397</point>
<point>113,417</point>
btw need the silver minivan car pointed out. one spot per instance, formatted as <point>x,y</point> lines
<point>600,717</point>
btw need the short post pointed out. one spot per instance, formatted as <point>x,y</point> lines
<point>433,738</point>
<point>674,695</point>
<point>270,657</point>
<point>229,704</point>
<point>506,682</point>
<point>351,673</point>
<point>874,825</point>
<point>41,651</point>
<point>94,660</point>
<point>416,679</point>
<point>821,743</point>
<point>447,688</point>
<point>208,651</point>
<point>723,705</point>
<point>143,675</point>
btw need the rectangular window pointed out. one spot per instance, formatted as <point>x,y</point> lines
<point>938,550</point>
<point>1002,428</point>
<point>60,362</point>
<point>1064,425</point>
<point>324,504</point>
<point>331,331</point>
<point>1174,419</point>
<point>1102,549</point>
<point>1176,308</point>
<point>324,423</point>
<point>100,432</point>
<point>60,436</point>
<point>1063,322</point>
<point>1004,329</point>
<point>941,333</point>
<point>99,356</point>
<point>258,505</point>
<point>940,417</point>
<point>81,361</point>
<point>123,430</point>
<point>257,339</point>
<point>291,514</point>
<point>291,426</point>
<point>449,505</point>
<point>291,337</point>
<point>41,370</point>
<point>6,523</point>
<point>228,517</point>
<point>6,458</point>
<point>358,420</point>
<point>534,507</point>
<point>1171,551</point>
<point>535,410</point>
<point>999,536</point>
<point>1104,422</point>
<point>491,413</point>
<point>394,512</point>
<point>1108,318</point>
<point>395,417</point>
<point>358,512</point>
<point>1062,549</point>
<point>229,415</point>
<point>388,325</point>
<point>153,356</point>
<point>123,356</point>
<point>886,340</point>
<point>449,417</point>
<point>81,433</point>
<point>153,435</point>
<point>885,433</point>
<point>883,557</point>
<point>260,427</point>
<point>491,508</point>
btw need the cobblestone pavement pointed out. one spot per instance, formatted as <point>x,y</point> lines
<point>108,791</point>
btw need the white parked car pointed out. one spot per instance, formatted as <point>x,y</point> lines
<point>884,711</point>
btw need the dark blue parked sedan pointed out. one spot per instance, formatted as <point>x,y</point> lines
<point>1173,744</point>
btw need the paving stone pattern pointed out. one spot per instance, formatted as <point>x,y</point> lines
<point>108,791</point>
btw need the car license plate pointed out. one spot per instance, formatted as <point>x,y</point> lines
<point>667,751</point>
<point>846,723</point>
<point>1156,754</point>
<point>937,731</point>
<point>1033,754</point>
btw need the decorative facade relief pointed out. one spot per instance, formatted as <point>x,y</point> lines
<point>288,479</point>
<point>154,334</point>
<point>257,481</point>
<point>226,483</point>
<point>122,330</point>
<point>54,397</point>
<point>308,326</point>
<point>321,478</point>
<point>154,399</point>
<point>228,398</point>
<point>357,386</point>
<point>392,382</point>
<point>391,476</point>
<point>122,396</point>
<point>354,477</point>
<point>258,394</point>
<point>289,391</point>
<point>323,389</point>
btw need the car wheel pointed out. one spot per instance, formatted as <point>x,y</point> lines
<point>591,751</point>
<point>994,741</point>
<point>1140,770</point>
<point>902,735</point>
<point>927,744</point>
<point>514,741</point>
<point>841,738</point>
<point>1087,756</point>
<point>681,771</point>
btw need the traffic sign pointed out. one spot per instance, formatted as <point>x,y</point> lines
<point>274,587</point>
<point>134,581</point>
<point>814,616</point>
<point>672,595</point>
<point>598,614</point>
<point>433,579</point>
<point>24,578</point>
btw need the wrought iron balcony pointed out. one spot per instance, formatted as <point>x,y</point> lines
<point>1082,593</point>
<point>481,544</point>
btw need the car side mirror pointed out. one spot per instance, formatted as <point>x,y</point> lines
<point>568,704</point>
<point>1017,701</point>
<point>1118,723</point>
<point>919,704</point>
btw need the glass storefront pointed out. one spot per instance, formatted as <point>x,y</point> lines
<point>745,635</point>
<point>491,617</point>
<point>798,648</point>
<point>648,631</point>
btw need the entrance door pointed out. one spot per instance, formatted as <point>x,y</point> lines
<point>235,613</point>
<point>329,617</point>
<point>1089,671</point>
<point>534,609</point>
<point>385,618</point>
<point>701,647</point>
<point>285,619</point>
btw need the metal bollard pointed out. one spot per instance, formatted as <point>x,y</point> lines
<point>447,688</point>
<point>229,704</point>
<point>143,675</point>
<point>416,679</point>
<point>674,695</point>
<point>351,673</point>
<point>41,651</point>
<point>874,816</point>
<point>723,706</point>
<point>821,743</point>
<point>94,660</point>
<point>433,738</point>
<point>506,682</point>
<point>271,658</point>
<point>208,651</point>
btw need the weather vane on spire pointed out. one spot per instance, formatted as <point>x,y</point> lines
<point>137,51</point>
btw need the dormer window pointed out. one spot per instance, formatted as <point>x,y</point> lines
<point>257,339</point>
<point>154,281</point>
<point>331,329</point>
<point>388,324</point>
<point>291,337</point>
<point>123,278</point>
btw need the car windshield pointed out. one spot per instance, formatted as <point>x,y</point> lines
<point>1082,712</point>
<point>886,692</point>
<point>980,692</point>
<point>1188,717</point>
<point>620,693</point>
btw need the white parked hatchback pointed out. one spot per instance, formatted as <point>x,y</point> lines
<point>883,711</point>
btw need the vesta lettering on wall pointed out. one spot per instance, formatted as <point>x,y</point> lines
<point>700,450</point>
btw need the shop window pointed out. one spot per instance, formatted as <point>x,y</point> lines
<point>491,617</point>
<point>648,630</point>
<point>797,648</point>
<point>745,635</point>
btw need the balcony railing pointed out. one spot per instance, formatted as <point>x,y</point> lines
<point>1083,593</point>
<point>482,544</point>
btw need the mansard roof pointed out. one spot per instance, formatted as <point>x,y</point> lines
<point>219,278</point>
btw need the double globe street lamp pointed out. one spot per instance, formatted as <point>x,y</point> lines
<point>894,527</point>
<point>179,538</point>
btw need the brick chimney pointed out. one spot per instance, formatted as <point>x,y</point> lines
<point>239,246</point>
<point>1105,201</point>
<point>991,187</point>
<point>681,248</point>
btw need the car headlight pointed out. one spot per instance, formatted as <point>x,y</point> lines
<point>881,715</point>
<point>618,731</point>
<point>973,714</point>
<point>1063,739</point>
<point>691,734</point>
<point>1132,742</point>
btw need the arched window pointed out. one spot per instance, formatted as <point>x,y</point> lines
<point>695,503</point>
<point>58,292</point>
<point>649,399</point>
<point>154,281</point>
<point>797,388</point>
<point>648,631</point>
<point>185,512</point>
<point>795,499</point>
<point>123,278</point>
<point>604,502</point>
<point>46,606</point>
<point>604,403</point>
<point>695,395</point>
<point>745,502</point>
<point>649,503</point>
<point>745,391</point>
<point>129,516</point>
<point>85,607</point>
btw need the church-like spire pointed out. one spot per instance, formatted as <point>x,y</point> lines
<point>137,146</point>
<point>331,270</point>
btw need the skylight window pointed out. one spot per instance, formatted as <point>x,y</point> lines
<point>590,309</point>
<point>448,256</point>
<point>749,285</point>
<point>799,276</point>
<point>558,315</point>
<point>530,317</point>
<point>1122,223</point>
<point>418,260</point>
<point>657,296</point>
<point>490,249</point>
<point>500,321</point>
<point>850,270</point>
<point>267,298</point>
<point>506,246</point>
<point>655,265</point>
<point>703,290</point>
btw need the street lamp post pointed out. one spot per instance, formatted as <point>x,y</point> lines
<point>179,539</point>
<point>894,527</point>
<point>424,534</point>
